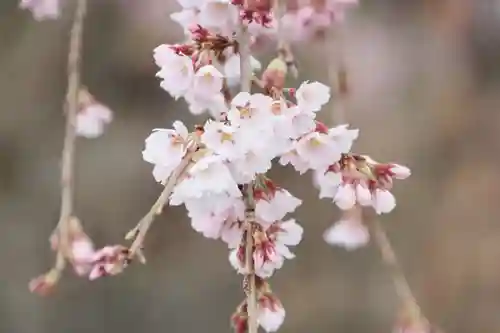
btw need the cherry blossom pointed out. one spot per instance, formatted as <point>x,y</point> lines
<point>271,248</point>
<point>91,120</point>
<point>350,234</point>
<point>311,96</point>
<point>271,313</point>
<point>176,70</point>
<point>208,176</point>
<point>220,138</point>
<point>274,206</point>
<point>42,9</point>
<point>220,168</point>
<point>360,180</point>
<point>165,148</point>
<point>218,15</point>
<point>207,82</point>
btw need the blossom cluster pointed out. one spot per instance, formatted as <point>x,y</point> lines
<point>217,170</point>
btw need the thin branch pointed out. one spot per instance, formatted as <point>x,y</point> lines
<point>246,81</point>
<point>390,259</point>
<point>244,50</point>
<point>71,109</point>
<point>249,262</point>
<point>140,231</point>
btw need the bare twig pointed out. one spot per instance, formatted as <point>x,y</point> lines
<point>141,229</point>
<point>390,259</point>
<point>68,154</point>
<point>245,66</point>
<point>338,78</point>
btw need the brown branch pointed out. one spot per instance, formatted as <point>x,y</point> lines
<point>390,259</point>
<point>68,153</point>
<point>245,83</point>
<point>141,229</point>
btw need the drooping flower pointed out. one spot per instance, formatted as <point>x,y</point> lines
<point>91,120</point>
<point>350,234</point>
<point>271,248</point>
<point>271,313</point>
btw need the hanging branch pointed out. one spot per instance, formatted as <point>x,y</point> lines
<point>68,154</point>
<point>251,292</point>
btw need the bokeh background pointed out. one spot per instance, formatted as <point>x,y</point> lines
<point>425,93</point>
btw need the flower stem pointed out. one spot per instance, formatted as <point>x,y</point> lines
<point>68,153</point>
<point>142,227</point>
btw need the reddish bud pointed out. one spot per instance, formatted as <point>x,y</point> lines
<point>321,128</point>
<point>44,284</point>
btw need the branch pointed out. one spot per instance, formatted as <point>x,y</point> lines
<point>244,50</point>
<point>251,290</point>
<point>141,229</point>
<point>390,259</point>
<point>246,81</point>
<point>68,153</point>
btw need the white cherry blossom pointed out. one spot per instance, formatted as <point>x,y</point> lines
<point>220,138</point>
<point>176,70</point>
<point>207,82</point>
<point>311,96</point>
<point>92,119</point>
<point>318,149</point>
<point>208,176</point>
<point>165,148</point>
<point>275,208</point>
<point>219,15</point>
<point>251,111</point>
<point>293,158</point>
<point>343,137</point>
<point>270,316</point>
<point>350,234</point>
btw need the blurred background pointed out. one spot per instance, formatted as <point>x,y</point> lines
<point>425,93</point>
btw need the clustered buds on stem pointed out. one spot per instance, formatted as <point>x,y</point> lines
<point>218,169</point>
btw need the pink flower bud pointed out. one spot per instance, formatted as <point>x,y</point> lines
<point>399,171</point>
<point>44,284</point>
